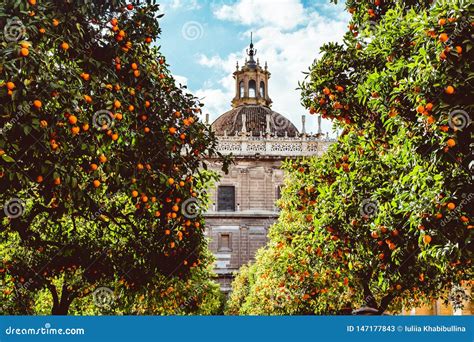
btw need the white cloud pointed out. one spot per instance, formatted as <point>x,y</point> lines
<point>183,80</point>
<point>285,14</point>
<point>288,53</point>
<point>186,5</point>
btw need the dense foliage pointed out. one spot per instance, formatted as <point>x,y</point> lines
<point>100,155</point>
<point>384,218</point>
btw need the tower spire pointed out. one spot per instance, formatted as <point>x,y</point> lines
<point>251,52</point>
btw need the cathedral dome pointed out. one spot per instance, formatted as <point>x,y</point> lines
<point>256,119</point>
<point>251,105</point>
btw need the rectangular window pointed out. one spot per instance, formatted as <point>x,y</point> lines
<point>226,198</point>
<point>224,243</point>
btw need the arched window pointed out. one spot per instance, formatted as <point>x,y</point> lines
<point>262,89</point>
<point>252,88</point>
<point>242,90</point>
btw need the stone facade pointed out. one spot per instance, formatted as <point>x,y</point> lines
<point>243,202</point>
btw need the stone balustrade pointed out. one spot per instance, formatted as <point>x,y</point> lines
<point>271,146</point>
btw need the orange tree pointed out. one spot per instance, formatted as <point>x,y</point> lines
<point>384,218</point>
<point>99,153</point>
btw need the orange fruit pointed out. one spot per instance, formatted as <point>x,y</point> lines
<point>119,116</point>
<point>170,181</point>
<point>147,104</point>
<point>451,142</point>
<point>43,123</point>
<point>449,90</point>
<point>175,208</point>
<point>72,119</point>
<point>398,287</point>
<point>131,108</point>
<point>96,183</point>
<point>55,22</point>
<point>427,239</point>
<point>167,232</point>
<point>429,106</point>
<point>85,76</point>
<point>451,206</point>
<point>37,104</point>
<point>464,219</point>
<point>136,73</point>
<point>134,193</point>
<point>85,127</point>
<point>102,158</point>
<point>140,166</point>
<point>42,30</point>
<point>420,109</point>
<point>374,234</point>
<point>172,244</point>
<point>444,128</point>
<point>134,66</point>
<point>64,46</point>
<point>431,119</point>
<point>157,213</point>
<point>172,130</point>
<point>117,104</point>
<point>114,136</point>
<point>24,52</point>
<point>458,49</point>
<point>148,40</point>
<point>93,167</point>
<point>442,22</point>
<point>10,85</point>
<point>75,130</point>
<point>39,179</point>
<point>114,22</point>
<point>57,181</point>
<point>32,2</point>
<point>443,37</point>
<point>87,98</point>
<point>147,130</point>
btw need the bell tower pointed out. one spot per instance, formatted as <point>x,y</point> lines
<point>251,82</point>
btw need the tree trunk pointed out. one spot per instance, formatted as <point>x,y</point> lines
<point>61,306</point>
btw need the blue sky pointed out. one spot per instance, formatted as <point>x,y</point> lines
<point>203,40</point>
